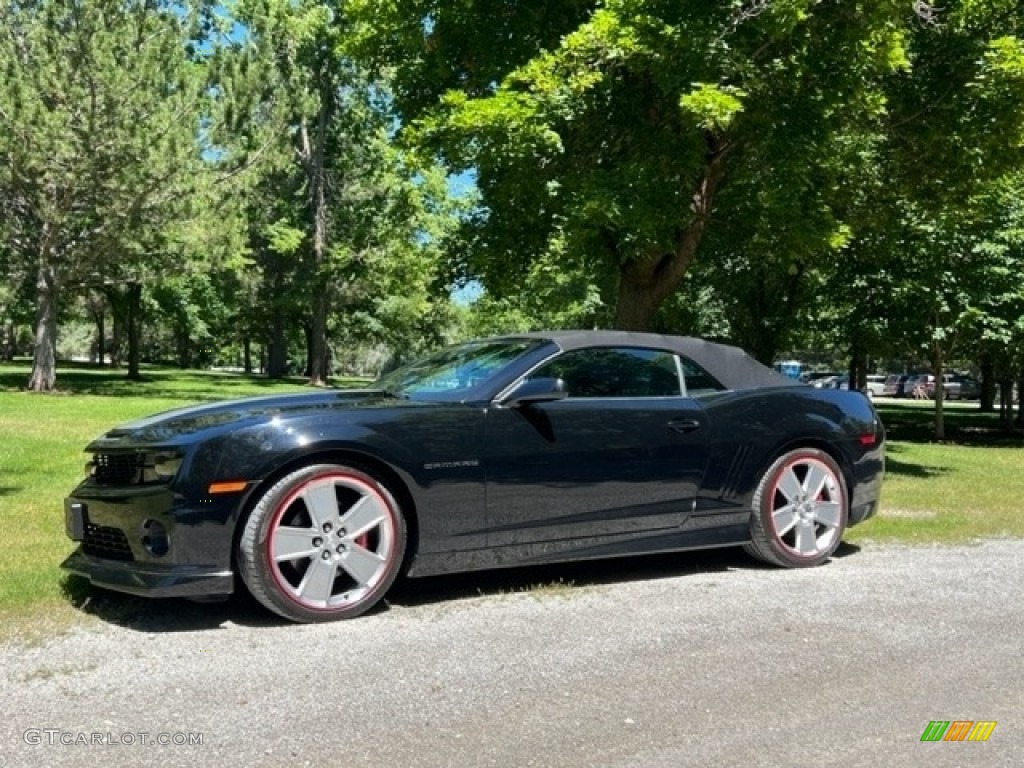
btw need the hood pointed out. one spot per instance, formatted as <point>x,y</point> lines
<point>182,424</point>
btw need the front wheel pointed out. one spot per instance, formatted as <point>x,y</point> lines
<point>799,510</point>
<point>324,543</point>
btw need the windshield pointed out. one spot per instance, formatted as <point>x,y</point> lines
<point>455,370</point>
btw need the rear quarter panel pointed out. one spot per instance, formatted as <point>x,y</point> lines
<point>750,429</point>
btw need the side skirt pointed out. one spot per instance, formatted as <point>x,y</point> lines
<point>571,550</point>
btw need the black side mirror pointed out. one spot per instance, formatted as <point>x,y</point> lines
<point>535,391</point>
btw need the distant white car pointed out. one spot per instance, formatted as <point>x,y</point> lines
<point>820,379</point>
<point>875,386</point>
<point>891,387</point>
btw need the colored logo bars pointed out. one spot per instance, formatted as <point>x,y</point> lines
<point>958,730</point>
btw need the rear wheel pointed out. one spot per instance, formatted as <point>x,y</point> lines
<point>800,510</point>
<point>324,543</point>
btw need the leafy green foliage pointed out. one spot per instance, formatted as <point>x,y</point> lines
<point>930,214</point>
<point>101,107</point>
<point>263,179</point>
<point>607,143</point>
<point>346,233</point>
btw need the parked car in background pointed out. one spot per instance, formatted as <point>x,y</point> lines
<point>916,386</point>
<point>891,387</point>
<point>970,387</point>
<point>954,386</point>
<point>875,386</point>
<point>818,379</point>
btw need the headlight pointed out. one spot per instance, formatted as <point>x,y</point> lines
<point>166,465</point>
<point>134,467</point>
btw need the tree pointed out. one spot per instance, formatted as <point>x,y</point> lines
<point>100,105</point>
<point>607,132</point>
<point>345,229</point>
<point>925,219</point>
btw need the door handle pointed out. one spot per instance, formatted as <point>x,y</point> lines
<point>683,425</point>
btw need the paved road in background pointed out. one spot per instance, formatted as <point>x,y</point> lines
<point>695,660</point>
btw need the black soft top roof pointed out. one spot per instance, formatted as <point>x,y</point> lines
<point>733,367</point>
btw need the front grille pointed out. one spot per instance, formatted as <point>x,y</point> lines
<point>109,543</point>
<point>117,468</point>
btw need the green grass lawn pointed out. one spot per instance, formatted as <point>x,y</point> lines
<point>41,458</point>
<point>965,488</point>
<point>968,486</point>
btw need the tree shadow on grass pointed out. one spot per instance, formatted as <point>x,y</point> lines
<point>172,384</point>
<point>894,466</point>
<point>967,426</point>
<point>906,469</point>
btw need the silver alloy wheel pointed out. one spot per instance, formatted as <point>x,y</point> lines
<point>332,541</point>
<point>807,507</point>
<point>799,511</point>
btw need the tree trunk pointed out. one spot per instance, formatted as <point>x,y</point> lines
<point>134,306</point>
<point>318,372</point>
<point>1020,394</point>
<point>98,309</point>
<point>118,322</point>
<point>314,153</point>
<point>645,284</point>
<point>101,335</point>
<point>938,363</point>
<point>321,296</point>
<point>764,348</point>
<point>44,358</point>
<point>7,348</point>
<point>858,372</point>
<point>247,354</point>
<point>988,386</point>
<point>307,331</point>
<point>277,354</point>
<point>277,346</point>
<point>1006,401</point>
<point>184,344</point>
<point>636,304</point>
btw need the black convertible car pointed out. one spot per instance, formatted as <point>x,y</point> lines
<point>506,451</point>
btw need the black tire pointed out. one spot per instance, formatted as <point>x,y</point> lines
<point>799,510</point>
<point>324,543</point>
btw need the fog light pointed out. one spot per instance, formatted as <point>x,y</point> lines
<point>155,540</point>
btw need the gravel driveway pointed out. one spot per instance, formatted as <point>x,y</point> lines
<point>700,659</point>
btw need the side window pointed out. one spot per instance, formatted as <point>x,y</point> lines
<point>615,372</point>
<point>698,381</point>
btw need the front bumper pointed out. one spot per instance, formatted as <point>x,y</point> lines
<point>152,542</point>
<point>151,579</point>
